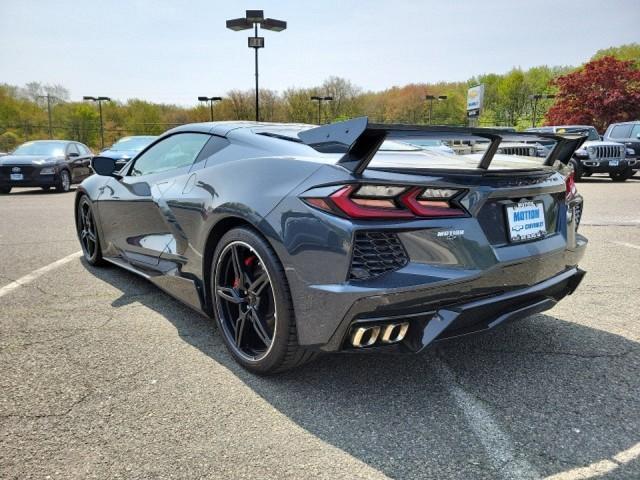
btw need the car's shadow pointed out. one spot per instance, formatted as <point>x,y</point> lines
<point>566,394</point>
<point>605,179</point>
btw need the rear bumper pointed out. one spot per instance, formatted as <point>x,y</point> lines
<point>464,318</point>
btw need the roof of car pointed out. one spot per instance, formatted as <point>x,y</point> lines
<point>631,122</point>
<point>223,128</point>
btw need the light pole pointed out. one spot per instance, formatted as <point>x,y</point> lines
<point>99,100</point>
<point>210,100</point>
<point>253,19</point>
<point>535,99</point>
<point>318,99</point>
<point>48,97</point>
<point>430,99</point>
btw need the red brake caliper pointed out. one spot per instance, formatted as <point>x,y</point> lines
<point>247,263</point>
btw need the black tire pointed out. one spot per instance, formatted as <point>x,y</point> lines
<point>5,190</point>
<point>64,181</point>
<point>621,176</point>
<point>235,304</point>
<point>577,170</point>
<point>88,233</point>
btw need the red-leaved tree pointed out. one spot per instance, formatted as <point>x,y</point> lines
<point>603,91</point>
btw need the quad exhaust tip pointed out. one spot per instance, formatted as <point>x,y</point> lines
<point>384,334</point>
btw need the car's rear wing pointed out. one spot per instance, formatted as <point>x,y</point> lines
<point>358,140</point>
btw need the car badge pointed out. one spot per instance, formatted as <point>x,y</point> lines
<point>15,169</point>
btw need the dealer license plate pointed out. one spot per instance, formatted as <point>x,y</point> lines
<point>526,221</point>
<point>614,163</point>
<point>16,176</point>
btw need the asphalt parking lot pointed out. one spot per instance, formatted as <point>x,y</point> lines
<point>104,376</point>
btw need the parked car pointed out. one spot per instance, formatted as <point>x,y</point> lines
<point>127,147</point>
<point>301,239</point>
<point>45,164</point>
<point>629,134</point>
<point>595,155</point>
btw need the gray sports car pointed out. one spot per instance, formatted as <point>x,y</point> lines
<point>346,237</point>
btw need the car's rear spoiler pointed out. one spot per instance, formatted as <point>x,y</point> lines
<point>358,140</point>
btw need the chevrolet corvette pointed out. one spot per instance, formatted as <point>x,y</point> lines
<point>348,237</point>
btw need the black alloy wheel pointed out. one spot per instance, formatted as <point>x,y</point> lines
<point>246,301</point>
<point>252,304</point>
<point>64,181</point>
<point>88,233</point>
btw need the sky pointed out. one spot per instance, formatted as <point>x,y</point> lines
<point>173,51</point>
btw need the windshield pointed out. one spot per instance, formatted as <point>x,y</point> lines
<point>591,132</point>
<point>132,143</point>
<point>51,149</point>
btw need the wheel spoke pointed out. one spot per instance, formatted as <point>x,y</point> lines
<point>237,264</point>
<point>230,295</point>
<point>259,328</point>
<point>239,327</point>
<point>259,283</point>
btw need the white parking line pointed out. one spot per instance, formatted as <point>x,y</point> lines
<point>627,244</point>
<point>598,469</point>
<point>30,277</point>
<point>496,443</point>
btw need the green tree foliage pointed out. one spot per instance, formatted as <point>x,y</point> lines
<point>628,52</point>
<point>23,111</point>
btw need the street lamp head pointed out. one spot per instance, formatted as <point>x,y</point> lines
<point>216,99</point>
<point>442,97</point>
<point>255,16</point>
<point>238,24</point>
<point>550,96</point>
<point>315,97</point>
<point>430,97</point>
<point>87,97</point>
<point>328,98</point>
<point>203,99</point>
<point>273,24</point>
<point>104,99</point>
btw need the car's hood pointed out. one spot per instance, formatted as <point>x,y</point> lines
<point>35,160</point>
<point>605,143</point>
<point>119,154</point>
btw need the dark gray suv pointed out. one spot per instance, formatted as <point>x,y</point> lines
<point>629,134</point>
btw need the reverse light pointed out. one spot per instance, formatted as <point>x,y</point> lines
<point>390,202</point>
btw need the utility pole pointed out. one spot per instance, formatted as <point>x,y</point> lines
<point>48,97</point>
<point>210,100</point>
<point>326,98</point>
<point>253,19</point>
<point>99,100</point>
<point>430,99</point>
<point>535,98</point>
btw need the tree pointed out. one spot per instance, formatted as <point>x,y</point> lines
<point>630,51</point>
<point>603,91</point>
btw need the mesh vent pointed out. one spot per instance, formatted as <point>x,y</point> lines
<point>375,253</point>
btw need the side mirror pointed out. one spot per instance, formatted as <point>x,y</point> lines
<point>601,138</point>
<point>638,135</point>
<point>73,154</point>
<point>104,166</point>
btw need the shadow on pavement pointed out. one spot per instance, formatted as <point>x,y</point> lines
<point>566,394</point>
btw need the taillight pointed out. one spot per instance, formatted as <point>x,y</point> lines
<point>570,183</point>
<point>390,202</point>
